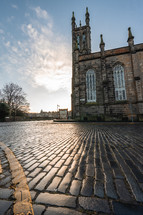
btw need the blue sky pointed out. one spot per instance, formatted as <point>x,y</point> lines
<point>35,42</point>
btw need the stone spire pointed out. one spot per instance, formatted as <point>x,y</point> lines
<point>87,17</point>
<point>130,36</point>
<point>73,21</point>
<point>102,44</point>
<point>130,40</point>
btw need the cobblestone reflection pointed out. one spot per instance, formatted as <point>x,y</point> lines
<point>79,166</point>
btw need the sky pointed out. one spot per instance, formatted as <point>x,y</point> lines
<point>35,42</point>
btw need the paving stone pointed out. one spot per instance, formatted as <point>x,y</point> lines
<point>127,209</point>
<point>2,176</point>
<point>6,172</point>
<point>141,185</point>
<point>4,206</point>
<point>38,209</point>
<point>33,194</point>
<point>42,159</point>
<point>65,156</point>
<point>28,159</point>
<point>62,211</point>
<point>54,161</point>
<point>134,186</point>
<point>44,163</point>
<point>6,180</point>
<point>62,171</point>
<point>87,187</point>
<point>99,189</point>
<point>122,190</point>
<point>65,183</point>
<point>59,163</point>
<point>73,167</point>
<point>29,164</point>
<point>35,172</point>
<point>99,174</point>
<point>48,168</point>
<point>26,172</point>
<point>97,163</point>
<point>75,187</point>
<point>90,170</point>
<point>35,180</point>
<point>5,193</point>
<point>68,161</point>
<point>94,204</point>
<point>77,157</point>
<point>42,184</point>
<point>109,186</point>
<point>29,179</point>
<point>53,186</point>
<point>118,174</point>
<point>57,199</point>
<point>80,172</point>
<point>33,167</point>
<point>135,170</point>
<point>137,192</point>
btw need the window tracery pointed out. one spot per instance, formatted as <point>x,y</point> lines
<point>91,86</point>
<point>119,83</point>
<point>78,41</point>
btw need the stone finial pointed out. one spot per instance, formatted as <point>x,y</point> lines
<point>102,44</point>
<point>131,40</point>
<point>73,14</point>
<point>130,36</point>
<point>73,20</point>
<point>86,9</point>
<point>87,17</point>
<point>101,39</point>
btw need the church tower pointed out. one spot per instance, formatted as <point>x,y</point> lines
<point>81,44</point>
<point>81,35</point>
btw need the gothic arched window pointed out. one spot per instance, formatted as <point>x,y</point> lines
<point>83,40</point>
<point>78,41</point>
<point>119,83</point>
<point>91,86</point>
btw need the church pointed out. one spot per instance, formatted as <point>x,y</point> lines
<point>106,85</point>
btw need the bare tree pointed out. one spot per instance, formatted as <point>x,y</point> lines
<point>13,95</point>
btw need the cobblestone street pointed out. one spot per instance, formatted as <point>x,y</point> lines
<point>76,168</point>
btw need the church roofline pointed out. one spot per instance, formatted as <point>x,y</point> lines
<point>111,52</point>
<point>80,27</point>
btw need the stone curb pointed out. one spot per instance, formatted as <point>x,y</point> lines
<point>0,167</point>
<point>23,203</point>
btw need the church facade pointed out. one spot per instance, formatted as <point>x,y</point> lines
<point>107,84</point>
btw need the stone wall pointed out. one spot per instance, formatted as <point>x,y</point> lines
<point>133,71</point>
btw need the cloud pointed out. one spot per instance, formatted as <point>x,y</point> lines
<point>1,31</point>
<point>14,6</point>
<point>41,13</point>
<point>43,58</point>
<point>10,19</point>
<point>7,44</point>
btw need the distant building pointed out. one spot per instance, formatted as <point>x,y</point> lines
<point>45,115</point>
<point>108,82</point>
<point>63,113</point>
<point>53,115</point>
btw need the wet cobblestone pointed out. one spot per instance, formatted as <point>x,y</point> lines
<point>77,168</point>
<point>6,191</point>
